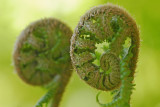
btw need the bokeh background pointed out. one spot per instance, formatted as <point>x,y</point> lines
<point>15,15</point>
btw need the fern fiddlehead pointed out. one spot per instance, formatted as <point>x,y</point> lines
<point>104,50</point>
<point>41,57</point>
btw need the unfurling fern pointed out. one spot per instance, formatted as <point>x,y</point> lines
<point>104,50</point>
<point>41,57</point>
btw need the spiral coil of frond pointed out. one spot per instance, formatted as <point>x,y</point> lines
<point>111,67</point>
<point>42,53</point>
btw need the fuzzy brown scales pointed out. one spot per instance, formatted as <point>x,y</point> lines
<point>42,52</point>
<point>103,23</point>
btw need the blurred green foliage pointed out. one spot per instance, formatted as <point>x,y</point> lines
<point>15,15</point>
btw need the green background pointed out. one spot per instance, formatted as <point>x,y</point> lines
<point>15,15</point>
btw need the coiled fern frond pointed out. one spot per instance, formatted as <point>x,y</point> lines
<point>104,51</point>
<point>41,57</point>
